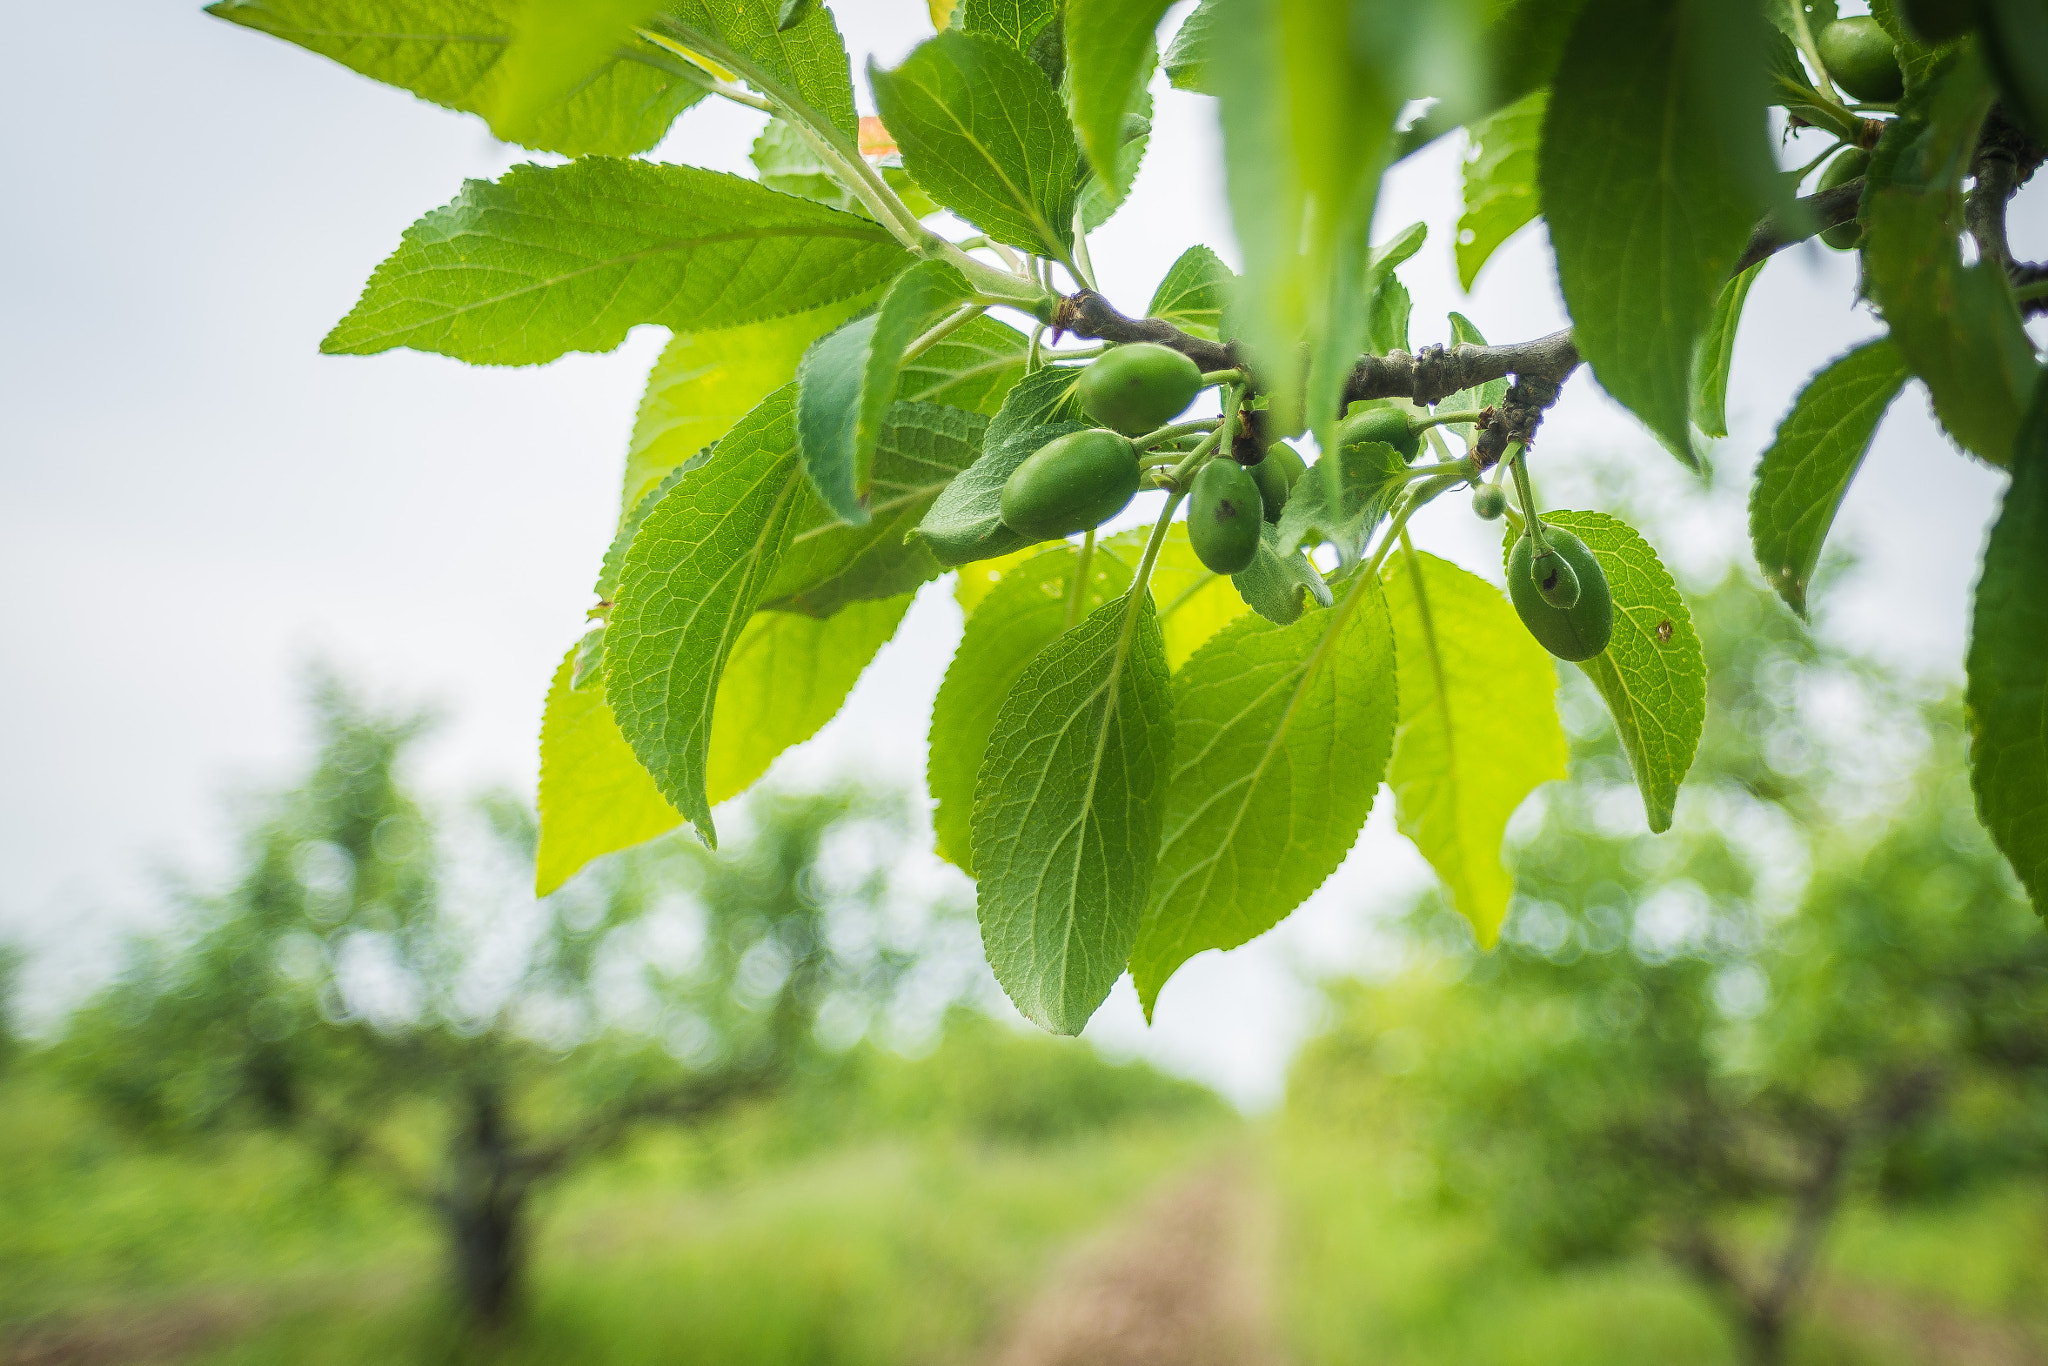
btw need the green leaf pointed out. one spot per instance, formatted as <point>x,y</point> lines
<point>1019,616</point>
<point>847,379</point>
<point>1100,199</point>
<point>1717,353</point>
<point>972,368</point>
<point>808,61</point>
<point>1803,475</point>
<point>1373,476</point>
<point>966,520</point>
<point>1517,49</point>
<point>1193,293</point>
<point>1307,111</point>
<point>1488,395</point>
<point>704,382</point>
<point>1110,54</point>
<point>785,162</point>
<point>1280,735</point>
<point>2007,694</point>
<point>921,447</point>
<point>1279,582</point>
<point>1192,52</point>
<point>692,579</point>
<point>456,54</point>
<point>2014,43</point>
<point>1653,674</point>
<point>1649,175</point>
<point>558,45</point>
<point>985,135</point>
<point>1013,23</point>
<point>1066,813</point>
<point>553,259</point>
<point>1956,325</point>
<point>1500,181</point>
<point>586,661</point>
<point>589,669</point>
<point>1194,601</point>
<point>594,795</point>
<point>1478,730</point>
<point>787,676</point>
<point>976,581</point>
<point>1386,326</point>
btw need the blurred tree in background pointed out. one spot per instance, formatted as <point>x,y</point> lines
<point>380,988</point>
<point>1824,980</point>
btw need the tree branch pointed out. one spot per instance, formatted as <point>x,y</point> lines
<point>687,1103</point>
<point>1540,367</point>
<point>1801,219</point>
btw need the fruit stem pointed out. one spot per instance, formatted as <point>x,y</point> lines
<point>1176,479</point>
<point>1803,36</point>
<point>1141,581</point>
<point>1439,469</point>
<point>1222,377</point>
<point>1168,433</point>
<point>1079,590</point>
<point>1417,499</point>
<point>1439,418</point>
<point>1528,497</point>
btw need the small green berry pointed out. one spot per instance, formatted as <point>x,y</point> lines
<point>1489,501</point>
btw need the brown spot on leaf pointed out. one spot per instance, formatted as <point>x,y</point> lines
<point>1664,631</point>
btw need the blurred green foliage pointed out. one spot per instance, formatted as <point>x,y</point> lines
<point>377,987</point>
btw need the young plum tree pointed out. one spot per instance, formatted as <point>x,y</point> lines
<point>366,970</point>
<point>888,373</point>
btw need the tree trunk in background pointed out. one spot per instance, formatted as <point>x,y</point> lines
<point>1763,1333</point>
<point>484,1215</point>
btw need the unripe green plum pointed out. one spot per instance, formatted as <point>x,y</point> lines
<point>1223,516</point>
<point>1070,484</point>
<point>1843,169</point>
<point>1276,476</point>
<point>1138,388</point>
<point>1489,501</point>
<point>1937,21</point>
<point>1380,424</point>
<point>1862,59</point>
<point>1577,632</point>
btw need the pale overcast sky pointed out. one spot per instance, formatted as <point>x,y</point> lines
<point>194,503</point>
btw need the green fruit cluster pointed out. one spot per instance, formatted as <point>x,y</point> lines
<point>1861,58</point>
<point>1276,477</point>
<point>1380,424</point>
<point>1843,169</point>
<point>1224,513</point>
<point>1138,388</point>
<point>1568,574</point>
<point>1071,483</point>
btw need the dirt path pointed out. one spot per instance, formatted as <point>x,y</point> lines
<point>1180,1282</point>
<point>1936,1332</point>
